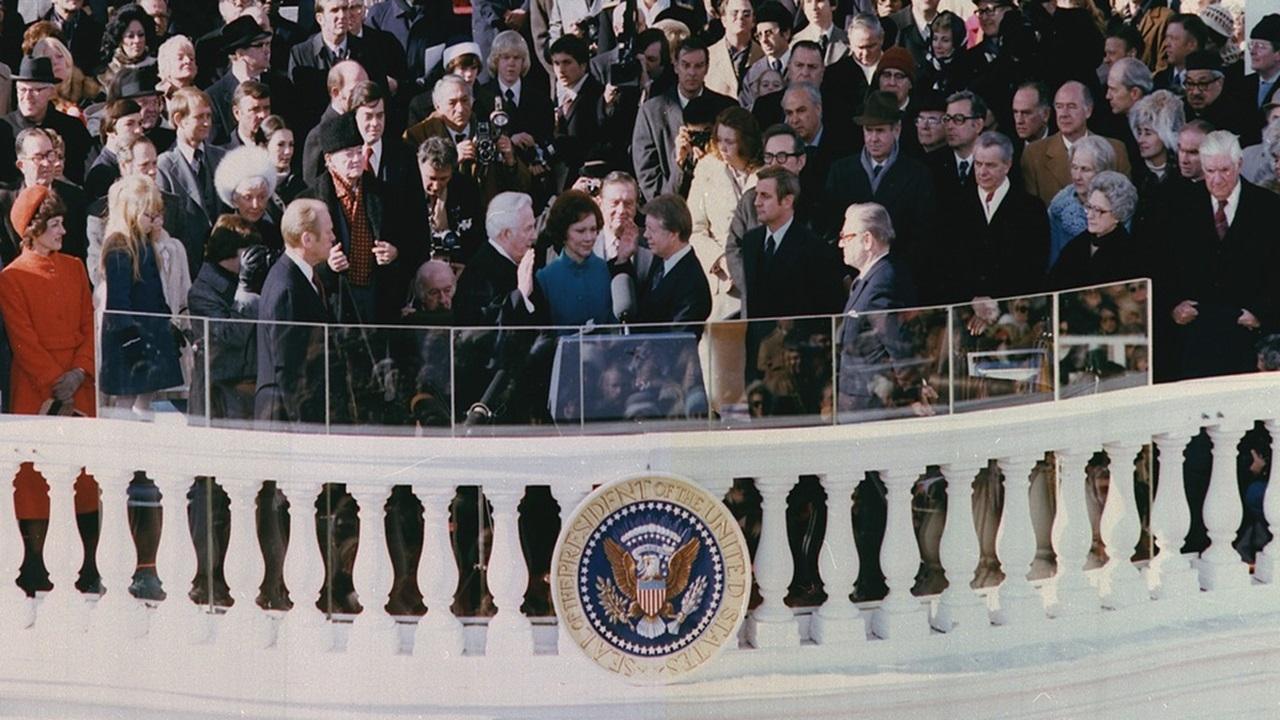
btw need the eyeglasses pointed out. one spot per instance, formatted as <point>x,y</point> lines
<point>843,238</point>
<point>928,121</point>
<point>780,157</point>
<point>892,75</point>
<point>958,119</point>
<point>1199,84</point>
<point>988,10</point>
<point>1095,210</point>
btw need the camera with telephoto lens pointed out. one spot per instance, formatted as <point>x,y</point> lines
<point>487,134</point>
<point>626,72</point>
<point>445,244</point>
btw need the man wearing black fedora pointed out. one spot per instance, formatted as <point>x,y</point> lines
<point>139,85</point>
<point>881,173</point>
<point>35,85</point>
<point>248,50</point>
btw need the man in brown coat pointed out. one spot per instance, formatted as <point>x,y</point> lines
<point>1046,168</point>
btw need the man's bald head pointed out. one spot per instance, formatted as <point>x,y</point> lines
<point>343,77</point>
<point>435,285</point>
<point>1073,105</point>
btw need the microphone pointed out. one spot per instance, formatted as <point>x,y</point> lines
<point>623,289</point>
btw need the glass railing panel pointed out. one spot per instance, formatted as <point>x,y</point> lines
<point>503,378</point>
<point>390,380</point>
<point>1003,352</point>
<point>145,362</point>
<point>636,378</point>
<point>1104,338</point>
<point>892,364</point>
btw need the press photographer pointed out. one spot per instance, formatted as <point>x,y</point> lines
<point>450,204</point>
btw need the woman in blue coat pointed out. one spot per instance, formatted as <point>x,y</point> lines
<point>139,345</point>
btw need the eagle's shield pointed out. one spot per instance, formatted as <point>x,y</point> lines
<point>651,595</point>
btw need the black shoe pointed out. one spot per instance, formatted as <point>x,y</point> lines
<point>146,586</point>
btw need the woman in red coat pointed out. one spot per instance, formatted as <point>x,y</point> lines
<point>48,312</point>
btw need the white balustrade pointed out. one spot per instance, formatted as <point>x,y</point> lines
<point>117,616</point>
<point>439,633</point>
<point>304,628</point>
<point>177,620</point>
<point>1170,575</point>
<point>17,611</point>
<point>772,624</point>
<point>510,632</point>
<point>244,624</point>
<point>1020,603</point>
<point>838,621</point>
<point>64,611</point>
<point>901,615</point>
<point>1073,536</point>
<point>373,632</point>
<point>1121,529</point>
<point>960,608</point>
<point>1267,562</point>
<point>1220,565</point>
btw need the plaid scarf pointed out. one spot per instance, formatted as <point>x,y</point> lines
<point>361,253</point>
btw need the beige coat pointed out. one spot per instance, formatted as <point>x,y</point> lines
<point>721,77</point>
<point>713,197</point>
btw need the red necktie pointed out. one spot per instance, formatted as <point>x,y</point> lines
<point>1220,220</point>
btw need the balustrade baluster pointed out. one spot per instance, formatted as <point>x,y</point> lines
<point>838,621</point>
<point>117,615</point>
<point>244,623</point>
<point>1122,583</point>
<point>567,496</point>
<point>16,609</point>
<point>64,611</point>
<point>900,616</point>
<point>304,626</point>
<point>1020,602</point>
<point>177,620</point>
<point>960,608</point>
<point>439,634</point>
<point>1220,565</point>
<point>772,624</point>
<point>510,633</point>
<point>1073,536</point>
<point>1170,574</point>
<point>1267,562</point>
<point>374,633</point>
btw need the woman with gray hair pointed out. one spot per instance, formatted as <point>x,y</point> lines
<point>1104,252</point>
<point>245,179</point>
<point>1088,156</point>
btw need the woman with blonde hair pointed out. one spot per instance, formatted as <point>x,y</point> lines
<point>74,87</point>
<point>719,180</point>
<point>139,351</point>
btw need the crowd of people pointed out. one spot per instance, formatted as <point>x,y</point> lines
<point>275,221</point>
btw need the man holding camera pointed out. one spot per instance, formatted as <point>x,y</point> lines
<point>450,204</point>
<point>485,153</point>
<point>579,109</point>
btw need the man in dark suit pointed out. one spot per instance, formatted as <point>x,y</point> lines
<point>121,126</point>
<point>912,22</point>
<point>502,369</point>
<point>676,291</point>
<point>1184,34</point>
<point>871,347</point>
<point>188,167</point>
<point>1210,97</point>
<point>371,290</point>
<point>291,363</point>
<point>80,32</point>
<point>37,165</point>
<point>881,173</point>
<point>448,203</point>
<point>34,86</point>
<point>1262,86</point>
<point>248,48</point>
<point>952,166</point>
<point>841,93</point>
<point>310,60</point>
<point>251,103</point>
<point>579,109</point>
<point>823,145</point>
<point>998,245</point>
<point>417,25</point>
<point>1222,273</point>
<point>654,140</point>
<point>782,148</point>
<point>788,270</point>
<point>389,159</point>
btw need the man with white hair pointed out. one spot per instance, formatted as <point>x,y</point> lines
<point>497,286</point>
<point>1221,280</point>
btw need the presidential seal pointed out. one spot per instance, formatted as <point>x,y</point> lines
<point>651,577</point>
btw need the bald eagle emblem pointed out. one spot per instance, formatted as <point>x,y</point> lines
<point>647,582</point>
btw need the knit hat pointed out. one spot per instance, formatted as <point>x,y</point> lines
<point>339,133</point>
<point>899,58</point>
<point>25,207</point>
<point>460,48</point>
<point>1268,28</point>
<point>1218,19</point>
